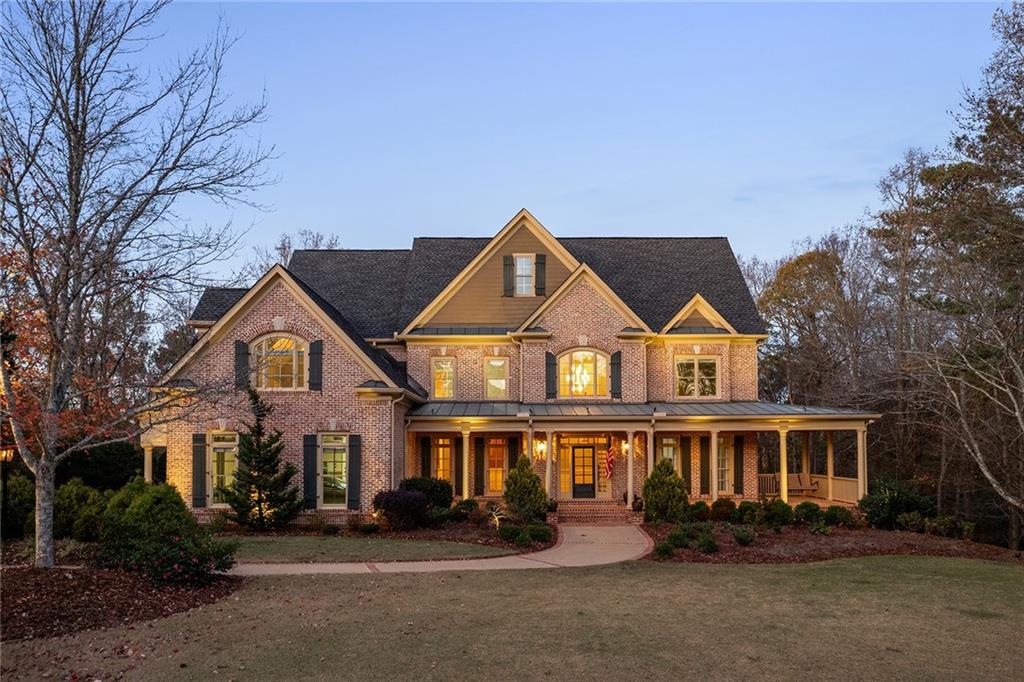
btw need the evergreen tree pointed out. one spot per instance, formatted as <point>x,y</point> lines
<point>262,495</point>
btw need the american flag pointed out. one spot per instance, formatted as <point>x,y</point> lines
<point>609,463</point>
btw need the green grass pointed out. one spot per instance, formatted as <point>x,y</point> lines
<point>870,618</point>
<point>311,548</point>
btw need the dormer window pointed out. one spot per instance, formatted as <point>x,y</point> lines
<point>583,374</point>
<point>280,362</point>
<point>525,285</point>
<point>696,377</point>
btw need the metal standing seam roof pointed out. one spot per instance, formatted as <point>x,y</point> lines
<point>752,408</point>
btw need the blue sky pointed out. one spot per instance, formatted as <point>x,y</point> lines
<point>763,123</point>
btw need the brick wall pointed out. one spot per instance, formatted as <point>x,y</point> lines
<point>469,366</point>
<point>737,368</point>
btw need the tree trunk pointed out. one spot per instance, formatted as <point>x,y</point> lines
<point>1013,536</point>
<point>44,513</point>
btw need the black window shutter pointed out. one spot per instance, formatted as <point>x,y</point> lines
<point>198,470</point>
<point>316,366</point>
<point>355,469</point>
<point>309,472</point>
<point>509,276</point>
<point>539,263</point>
<point>478,466</point>
<point>705,465</point>
<point>241,364</point>
<point>737,448</point>
<point>684,453</point>
<point>551,375</point>
<point>425,456</point>
<point>513,452</point>
<point>616,368</point>
<point>457,467</point>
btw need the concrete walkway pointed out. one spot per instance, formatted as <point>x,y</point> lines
<point>576,546</point>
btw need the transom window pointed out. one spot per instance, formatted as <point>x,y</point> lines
<point>524,274</point>
<point>496,378</point>
<point>223,464</point>
<point>334,469</point>
<point>280,362</point>
<point>696,377</point>
<point>668,448</point>
<point>582,374</point>
<point>443,458</point>
<point>443,372</point>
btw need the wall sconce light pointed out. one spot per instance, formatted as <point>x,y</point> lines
<point>540,448</point>
<point>625,448</point>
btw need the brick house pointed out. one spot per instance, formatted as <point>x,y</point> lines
<point>591,356</point>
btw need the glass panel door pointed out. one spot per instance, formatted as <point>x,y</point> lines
<point>583,465</point>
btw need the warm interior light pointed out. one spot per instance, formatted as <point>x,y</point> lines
<point>7,454</point>
<point>581,377</point>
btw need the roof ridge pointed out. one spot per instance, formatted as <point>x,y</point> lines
<point>294,251</point>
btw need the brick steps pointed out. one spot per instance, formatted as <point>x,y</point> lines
<point>592,511</point>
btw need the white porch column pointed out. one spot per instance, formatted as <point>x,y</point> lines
<point>548,454</point>
<point>805,457</point>
<point>829,453</point>
<point>783,465</point>
<point>465,464</point>
<point>650,451</point>
<point>862,461</point>
<point>629,469</point>
<point>714,465</point>
<point>147,463</point>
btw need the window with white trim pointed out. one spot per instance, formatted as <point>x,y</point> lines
<point>222,465</point>
<point>524,274</point>
<point>496,378</point>
<point>443,459</point>
<point>583,374</point>
<point>442,371</point>
<point>280,362</point>
<point>696,377</point>
<point>496,450</point>
<point>724,455</point>
<point>334,469</point>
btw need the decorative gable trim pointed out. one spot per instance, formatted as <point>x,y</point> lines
<point>581,273</point>
<point>274,275</point>
<point>699,304</point>
<point>521,219</point>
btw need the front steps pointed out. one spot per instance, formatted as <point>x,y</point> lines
<point>596,512</point>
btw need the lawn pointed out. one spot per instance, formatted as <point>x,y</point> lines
<point>901,617</point>
<point>310,548</point>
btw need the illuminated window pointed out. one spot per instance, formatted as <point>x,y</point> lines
<point>280,362</point>
<point>668,449</point>
<point>582,373</point>
<point>443,459</point>
<point>334,469</point>
<point>496,448</point>
<point>496,378</point>
<point>223,464</point>
<point>524,275</point>
<point>696,377</point>
<point>443,371</point>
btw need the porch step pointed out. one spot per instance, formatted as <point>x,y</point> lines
<point>593,511</point>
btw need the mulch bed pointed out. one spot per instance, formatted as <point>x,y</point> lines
<point>469,533</point>
<point>796,544</point>
<point>39,602</point>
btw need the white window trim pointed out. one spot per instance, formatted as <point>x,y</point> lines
<point>256,369</point>
<point>487,468</point>
<point>209,466</point>
<point>455,376</point>
<point>435,457</point>
<point>320,469</point>
<point>507,381</point>
<point>607,364</point>
<point>725,451</point>
<point>676,357</point>
<point>515,275</point>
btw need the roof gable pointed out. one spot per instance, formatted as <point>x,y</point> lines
<point>697,314</point>
<point>584,274</point>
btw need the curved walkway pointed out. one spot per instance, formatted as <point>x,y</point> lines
<point>576,546</point>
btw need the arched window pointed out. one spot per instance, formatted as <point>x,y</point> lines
<point>582,374</point>
<point>280,362</point>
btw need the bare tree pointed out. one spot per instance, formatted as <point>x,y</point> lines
<point>265,258</point>
<point>94,155</point>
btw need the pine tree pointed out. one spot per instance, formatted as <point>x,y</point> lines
<point>262,495</point>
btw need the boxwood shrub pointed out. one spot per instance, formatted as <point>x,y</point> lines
<point>438,491</point>
<point>776,514</point>
<point>698,511</point>
<point>722,509</point>
<point>402,509</point>
<point>807,512</point>
<point>838,516</point>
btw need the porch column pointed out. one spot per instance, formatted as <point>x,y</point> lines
<point>147,463</point>
<point>465,464</point>
<point>650,451</point>
<point>862,462</point>
<point>783,465</point>
<point>805,457</point>
<point>548,454</point>
<point>830,470</point>
<point>629,469</point>
<point>714,465</point>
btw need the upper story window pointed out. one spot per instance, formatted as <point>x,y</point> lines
<point>524,274</point>
<point>442,372</point>
<point>696,377</point>
<point>582,374</point>
<point>496,378</point>
<point>280,362</point>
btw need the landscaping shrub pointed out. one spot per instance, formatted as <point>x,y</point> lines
<point>910,521</point>
<point>664,494</point>
<point>353,521</point>
<point>678,538</point>
<point>402,509</point>
<point>941,525</point>
<point>742,536</point>
<point>462,510</point>
<point>747,512</point>
<point>694,529</point>
<point>331,529</point>
<point>807,512</point>
<point>21,500</point>
<point>776,514</point>
<point>147,528</point>
<point>525,499</point>
<point>77,510</point>
<point>105,467</point>
<point>539,532</point>
<point>217,523</point>
<point>664,549</point>
<point>438,491</point>
<point>967,530</point>
<point>890,498</point>
<point>436,518</point>
<point>722,509</point>
<point>524,539</point>
<point>698,511</point>
<point>509,531</point>
<point>838,516</point>
<point>479,517</point>
<point>368,528</point>
<point>819,527</point>
<point>707,544</point>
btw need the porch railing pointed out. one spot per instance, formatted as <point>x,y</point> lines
<point>768,485</point>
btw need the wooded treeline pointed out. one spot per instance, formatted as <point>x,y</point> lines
<point>917,311</point>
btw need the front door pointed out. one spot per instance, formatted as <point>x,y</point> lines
<point>583,474</point>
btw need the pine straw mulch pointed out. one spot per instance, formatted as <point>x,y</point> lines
<point>38,602</point>
<point>796,544</point>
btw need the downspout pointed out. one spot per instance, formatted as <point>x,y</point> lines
<point>520,344</point>
<point>391,426</point>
